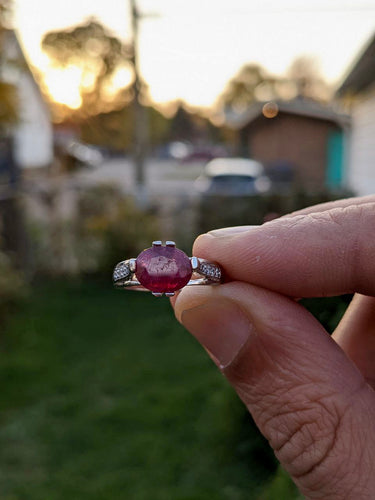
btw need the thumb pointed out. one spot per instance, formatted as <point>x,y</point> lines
<point>305,395</point>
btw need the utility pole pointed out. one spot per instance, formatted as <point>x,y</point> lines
<point>140,139</point>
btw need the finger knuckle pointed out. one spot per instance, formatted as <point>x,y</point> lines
<point>311,441</point>
<point>305,445</point>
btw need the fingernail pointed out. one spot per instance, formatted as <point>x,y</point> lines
<point>220,326</point>
<point>230,231</point>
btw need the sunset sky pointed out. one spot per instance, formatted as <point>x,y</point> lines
<point>192,48</point>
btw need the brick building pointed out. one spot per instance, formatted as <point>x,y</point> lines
<point>300,139</point>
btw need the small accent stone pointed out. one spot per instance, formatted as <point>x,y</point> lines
<point>121,271</point>
<point>163,269</point>
<point>210,271</point>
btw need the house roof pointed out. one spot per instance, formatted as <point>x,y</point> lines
<point>12,43</point>
<point>299,106</point>
<point>362,72</point>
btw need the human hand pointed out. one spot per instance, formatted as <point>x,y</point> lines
<point>311,395</point>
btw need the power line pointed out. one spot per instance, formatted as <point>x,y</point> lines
<point>272,10</point>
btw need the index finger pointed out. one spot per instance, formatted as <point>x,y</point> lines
<point>311,254</point>
<point>330,205</point>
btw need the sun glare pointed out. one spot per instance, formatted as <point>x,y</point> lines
<point>120,79</point>
<point>63,85</point>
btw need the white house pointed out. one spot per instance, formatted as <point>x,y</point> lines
<point>33,133</point>
<point>358,93</point>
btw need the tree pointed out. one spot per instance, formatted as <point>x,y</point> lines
<point>115,128</point>
<point>5,9</point>
<point>182,125</point>
<point>8,104</point>
<point>305,74</point>
<point>98,54</point>
<point>240,91</point>
<point>8,93</point>
<point>253,83</point>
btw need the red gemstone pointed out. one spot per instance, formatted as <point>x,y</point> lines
<point>163,269</point>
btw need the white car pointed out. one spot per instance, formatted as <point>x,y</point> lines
<point>85,154</point>
<point>233,177</point>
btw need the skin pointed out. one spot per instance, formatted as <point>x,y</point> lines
<point>311,394</point>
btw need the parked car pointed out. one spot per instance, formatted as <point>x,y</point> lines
<point>204,152</point>
<point>233,177</point>
<point>84,154</point>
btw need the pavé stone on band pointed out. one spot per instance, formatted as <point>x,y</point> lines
<point>165,270</point>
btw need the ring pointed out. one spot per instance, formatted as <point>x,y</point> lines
<point>165,269</point>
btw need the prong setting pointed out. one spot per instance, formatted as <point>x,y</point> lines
<point>170,244</point>
<point>194,263</point>
<point>133,265</point>
<point>157,243</point>
<point>157,294</point>
<point>169,294</point>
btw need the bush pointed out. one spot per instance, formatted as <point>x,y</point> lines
<point>103,228</point>
<point>13,288</point>
<point>224,211</point>
<point>110,228</point>
<point>281,488</point>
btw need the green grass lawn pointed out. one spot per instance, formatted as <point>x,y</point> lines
<point>104,396</point>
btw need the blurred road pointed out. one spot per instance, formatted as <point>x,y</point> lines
<point>163,177</point>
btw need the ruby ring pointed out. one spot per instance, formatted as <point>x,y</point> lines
<point>165,269</point>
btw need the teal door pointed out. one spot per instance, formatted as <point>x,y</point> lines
<point>335,159</point>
